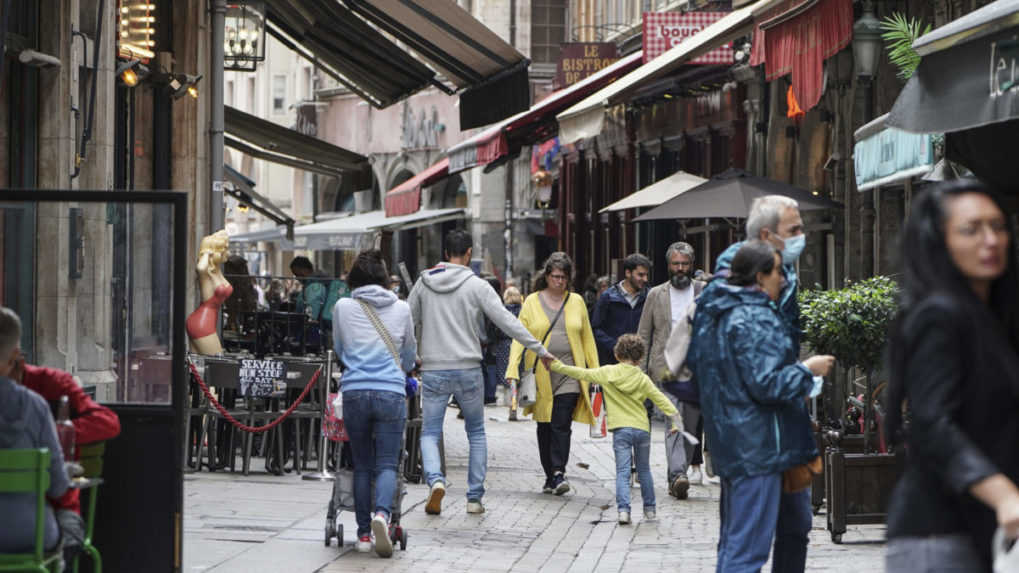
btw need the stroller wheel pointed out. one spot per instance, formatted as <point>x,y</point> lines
<point>339,535</point>
<point>329,534</point>
<point>403,539</point>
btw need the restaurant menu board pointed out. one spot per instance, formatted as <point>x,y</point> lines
<point>262,378</point>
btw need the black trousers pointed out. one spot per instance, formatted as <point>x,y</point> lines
<point>554,435</point>
<point>698,454</point>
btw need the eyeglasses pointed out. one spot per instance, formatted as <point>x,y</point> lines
<point>557,277</point>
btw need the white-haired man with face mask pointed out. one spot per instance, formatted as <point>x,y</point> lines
<point>776,219</point>
<point>25,423</point>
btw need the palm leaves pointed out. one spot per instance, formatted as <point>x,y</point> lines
<point>899,35</point>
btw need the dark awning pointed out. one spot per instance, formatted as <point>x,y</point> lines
<point>243,189</point>
<point>958,88</point>
<point>372,65</point>
<point>266,140</point>
<point>965,87</point>
<point>345,36</point>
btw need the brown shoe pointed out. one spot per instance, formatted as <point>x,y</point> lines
<point>680,487</point>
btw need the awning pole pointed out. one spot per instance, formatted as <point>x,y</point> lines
<point>216,128</point>
<point>508,234</point>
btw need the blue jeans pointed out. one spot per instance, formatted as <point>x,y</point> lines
<point>375,421</point>
<point>753,512</point>
<point>467,386</point>
<point>632,444</point>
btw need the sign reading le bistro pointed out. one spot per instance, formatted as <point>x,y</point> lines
<point>579,60</point>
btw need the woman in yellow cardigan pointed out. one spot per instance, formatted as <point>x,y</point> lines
<point>561,399</point>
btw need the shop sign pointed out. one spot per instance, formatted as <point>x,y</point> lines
<point>262,378</point>
<point>581,59</point>
<point>665,30</point>
<point>136,29</point>
<point>891,155</point>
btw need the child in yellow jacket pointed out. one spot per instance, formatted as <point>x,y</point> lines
<point>625,387</point>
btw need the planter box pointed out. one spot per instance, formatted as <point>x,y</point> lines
<point>851,444</point>
<point>858,487</point>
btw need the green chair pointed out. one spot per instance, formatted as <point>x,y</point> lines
<point>27,471</point>
<point>90,456</point>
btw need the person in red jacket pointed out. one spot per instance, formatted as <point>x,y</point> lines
<point>92,423</point>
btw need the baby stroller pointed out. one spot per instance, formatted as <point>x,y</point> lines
<point>342,498</point>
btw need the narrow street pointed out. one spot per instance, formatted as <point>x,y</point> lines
<point>265,523</point>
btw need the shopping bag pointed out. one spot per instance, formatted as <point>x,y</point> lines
<point>599,429</point>
<point>527,392</point>
<point>332,419</point>
<point>343,489</point>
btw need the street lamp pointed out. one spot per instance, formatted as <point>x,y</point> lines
<point>866,42</point>
<point>131,72</point>
<point>244,35</point>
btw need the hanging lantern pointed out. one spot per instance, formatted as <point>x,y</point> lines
<point>244,35</point>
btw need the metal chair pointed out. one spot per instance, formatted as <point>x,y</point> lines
<point>27,471</point>
<point>91,458</point>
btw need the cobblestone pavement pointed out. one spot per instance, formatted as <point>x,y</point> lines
<point>269,523</point>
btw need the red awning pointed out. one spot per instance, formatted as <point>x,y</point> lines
<point>493,142</point>
<point>796,37</point>
<point>405,198</point>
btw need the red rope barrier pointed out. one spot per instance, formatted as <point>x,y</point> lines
<point>252,429</point>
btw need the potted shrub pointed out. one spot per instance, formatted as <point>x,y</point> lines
<point>852,324</point>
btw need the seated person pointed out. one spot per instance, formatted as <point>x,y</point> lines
<point>92,423</point>
<point>25,422</point>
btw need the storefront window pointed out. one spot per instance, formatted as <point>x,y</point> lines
<point>93,283</point>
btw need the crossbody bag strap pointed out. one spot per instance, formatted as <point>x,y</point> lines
<point>383,332</point>
<point>550,327</point>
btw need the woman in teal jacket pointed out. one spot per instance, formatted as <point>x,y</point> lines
<point>753,392</point>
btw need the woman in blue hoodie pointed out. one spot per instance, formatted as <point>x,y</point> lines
<point>374,394</point>
<point>753,391</point>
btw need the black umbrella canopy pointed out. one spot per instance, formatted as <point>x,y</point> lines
<point>730,194</point>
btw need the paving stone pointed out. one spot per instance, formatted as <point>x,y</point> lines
<point>264,523</point>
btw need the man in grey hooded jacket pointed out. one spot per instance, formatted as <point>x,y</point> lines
<point>25,422</point>
<point>447,305</point>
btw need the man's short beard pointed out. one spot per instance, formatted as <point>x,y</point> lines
<point>680,280</point>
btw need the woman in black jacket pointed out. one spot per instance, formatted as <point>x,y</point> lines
<point>954,394</point>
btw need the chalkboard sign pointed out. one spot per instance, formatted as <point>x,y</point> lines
<point>262,378</point>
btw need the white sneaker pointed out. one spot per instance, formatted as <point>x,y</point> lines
<point>713,480</point>
<point>695,474</point>
<point>624,518</point>
<point>650,515</point>
<point>380,529</point>
<point>475,507</point>
<point>364,544</point>
<point>435,495</point>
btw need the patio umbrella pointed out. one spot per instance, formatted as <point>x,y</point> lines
<point>657,193</point>
<point>730,194</point>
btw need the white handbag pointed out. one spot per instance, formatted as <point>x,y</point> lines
<point>1006,558</point>
<point>528,391</point>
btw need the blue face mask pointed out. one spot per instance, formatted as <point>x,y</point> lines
<point>793,248</point>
